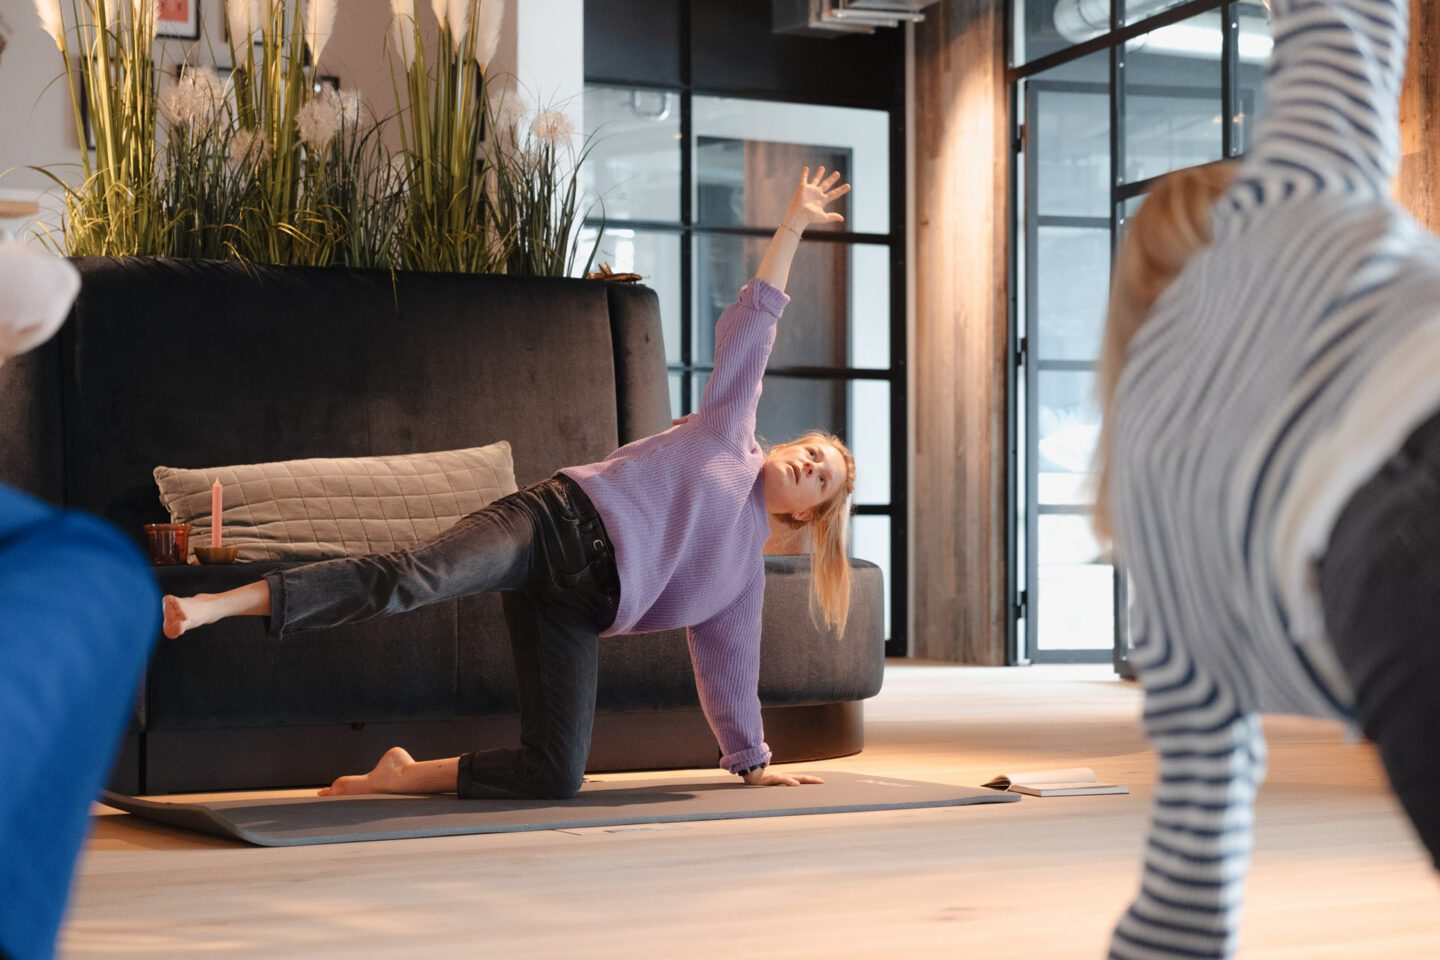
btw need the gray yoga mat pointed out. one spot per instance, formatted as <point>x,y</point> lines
<point>295,821</point>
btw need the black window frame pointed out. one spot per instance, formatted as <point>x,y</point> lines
<point>1025,365</point>
<point>687,230</point>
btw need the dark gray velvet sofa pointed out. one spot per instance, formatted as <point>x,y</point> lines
<point>196,364</point>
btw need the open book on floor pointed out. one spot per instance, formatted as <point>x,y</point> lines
<point>1072,782</point>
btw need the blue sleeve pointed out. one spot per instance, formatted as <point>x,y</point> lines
<point>79,612</point>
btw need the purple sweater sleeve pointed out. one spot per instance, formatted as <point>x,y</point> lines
<point>725,651</point>
<point>744,335</point>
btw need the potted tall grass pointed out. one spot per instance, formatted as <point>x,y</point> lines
<point>448,222</point>
<point>106,52</point>
<point>269,167</point>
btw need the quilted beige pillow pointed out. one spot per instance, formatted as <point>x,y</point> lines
<point>319,509</point>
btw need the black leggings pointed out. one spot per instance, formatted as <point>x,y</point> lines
<point>547,549</point>
<point>1381,586</point>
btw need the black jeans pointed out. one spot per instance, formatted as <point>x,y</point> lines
<point>1380,582</point>
<point>547,549</point>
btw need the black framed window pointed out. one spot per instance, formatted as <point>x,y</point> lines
<point>696,158</point>
<point>1109,95</point>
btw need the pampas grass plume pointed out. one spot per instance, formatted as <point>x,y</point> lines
<point>487,31</point>
<point>458,16</point>
<point>319,26</point>
<point>51,20</point>
<point>552,127</point>
<point>402,25</point>
<point>243,17</point>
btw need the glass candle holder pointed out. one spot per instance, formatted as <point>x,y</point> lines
<point>168,544</point>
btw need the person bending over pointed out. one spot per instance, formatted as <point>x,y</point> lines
<point>668,531</point>
<point>1269,463</point>
<point>77,621</point>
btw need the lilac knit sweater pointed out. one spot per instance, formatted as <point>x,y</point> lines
<point>685,510</point>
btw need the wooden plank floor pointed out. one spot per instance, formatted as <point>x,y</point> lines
<point>1337,872</point>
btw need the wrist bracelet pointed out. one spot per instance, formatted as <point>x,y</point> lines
<point>798,234</point>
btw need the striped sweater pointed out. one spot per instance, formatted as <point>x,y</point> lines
<point>1227,472</point>
<point>685,510</point>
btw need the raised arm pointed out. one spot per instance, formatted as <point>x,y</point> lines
<point>1333,114</point>
<point>745,332</point>
<point>807,206</point>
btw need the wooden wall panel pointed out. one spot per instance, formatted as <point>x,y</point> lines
<point>1419,187</point>
<point>961,195</point>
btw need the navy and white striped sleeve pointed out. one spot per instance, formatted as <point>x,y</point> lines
<point>1197,852</point>
<point>1333,92</point>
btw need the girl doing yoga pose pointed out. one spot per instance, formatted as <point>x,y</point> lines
<point>1270,463</point>
<point>666,532</point>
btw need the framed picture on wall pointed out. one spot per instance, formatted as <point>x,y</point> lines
<point>179,19</point>
<point>85,114</point>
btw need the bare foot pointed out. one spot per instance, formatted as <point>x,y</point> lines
<point>180,615</point>
<point>387,777</point>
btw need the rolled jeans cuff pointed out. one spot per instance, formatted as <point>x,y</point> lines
<point>275,622</point>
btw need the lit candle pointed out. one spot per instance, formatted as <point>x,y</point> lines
<point>217,499</point>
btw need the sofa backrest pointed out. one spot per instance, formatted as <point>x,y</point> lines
<point>199,363</point>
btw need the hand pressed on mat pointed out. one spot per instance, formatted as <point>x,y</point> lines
<point>772,778</point>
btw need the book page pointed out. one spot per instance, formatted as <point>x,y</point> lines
<point>1068,777</point>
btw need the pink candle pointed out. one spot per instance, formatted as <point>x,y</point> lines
<point>217,499</point>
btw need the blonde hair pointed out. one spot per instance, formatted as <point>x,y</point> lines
<point>827,529</point>
<point>1171,226</point>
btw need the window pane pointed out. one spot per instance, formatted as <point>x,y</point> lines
<point>1171,98</point>
<point>656,257</point>
<point>1255,43</point>
<point>870,540</point>
<point>1076,592</point>
<point>749,153</point>
<point>839,311</point>
<point>869,439</point>
<point>857,411</point>
<point>1068,422</point>
<point>1069,124</point>
<point>1072,285</point>
<point>675,408</point>
<point>1133,11</point>
<point>634,167</point>
<point>790,406</point>
<point>1042,27</point>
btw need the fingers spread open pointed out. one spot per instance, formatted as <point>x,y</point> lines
<point>838,192</point>
<point>819,174</point>
<point>805,175</point>
<point>830,180</point>
<point>834,217</point>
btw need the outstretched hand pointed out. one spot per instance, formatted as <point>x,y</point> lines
<point>808,202</point>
